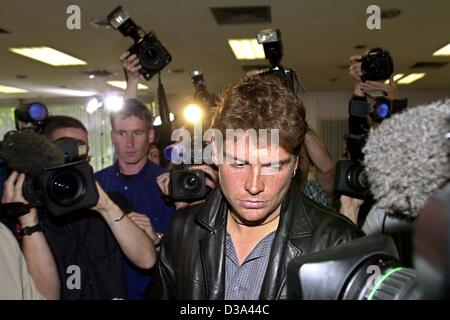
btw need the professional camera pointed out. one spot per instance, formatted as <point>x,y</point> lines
<point>53,179</point>
<point>378,108</point>
<point>30,116</point>
<point>273,50</point>
<point>67,187</point>
<point>201,94</point>
<point>152,55</point>
<point>367,268</point>
<point>377,65</point>
<point>63,189</point>
<point>187,185</point>
<point>351,179</point>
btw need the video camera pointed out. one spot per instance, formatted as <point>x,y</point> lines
<point>153,56</point>
<point>58,174</point>
<point>67,187</point>
<point>273,50</point>
<point>367,268</point>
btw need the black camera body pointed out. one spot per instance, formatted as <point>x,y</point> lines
<point>273,50</point>
<point>153,56</point>
<point>377,65</point>
<point>30,116</point>
<point>351,179</point>
<point>202,95</point>
<point>187,185</point>
<point>63,189</point>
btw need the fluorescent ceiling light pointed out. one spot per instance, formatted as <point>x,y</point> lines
<point>246,49</point>
<point>411,78</point>
<point>396,77</point>
<point>123,85</point>
<point>6,89</point>
<point>444,51</point>
<point>48,55</point>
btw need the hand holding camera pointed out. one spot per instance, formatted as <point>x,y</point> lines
<point>130,63</point>
<point>13,194</point>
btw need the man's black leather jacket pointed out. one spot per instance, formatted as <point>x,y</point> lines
<point>192,262</point>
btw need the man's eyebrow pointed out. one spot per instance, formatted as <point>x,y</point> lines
<point>280,162</point>
<point>228,156</point>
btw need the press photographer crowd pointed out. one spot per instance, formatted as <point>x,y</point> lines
<point>253,219</point>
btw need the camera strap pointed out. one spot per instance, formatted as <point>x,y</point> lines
<point>16,209</point>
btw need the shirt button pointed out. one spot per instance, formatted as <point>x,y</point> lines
<point>126,188</point>
<point>236,288</point>
<point>117,174</point>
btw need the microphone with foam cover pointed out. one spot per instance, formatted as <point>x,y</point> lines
<point>29,153</point>
<point>407,158</point>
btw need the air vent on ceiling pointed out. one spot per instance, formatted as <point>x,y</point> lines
<point>3,31</point>
<point>97,73</point>
<point>429,65</point>
<point>242,15</point>
<point>254,67</point>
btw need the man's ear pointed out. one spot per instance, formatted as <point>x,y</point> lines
<point>151,135</point>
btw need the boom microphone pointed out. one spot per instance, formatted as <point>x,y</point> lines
<point>407,158</point>
<point>29,153</point>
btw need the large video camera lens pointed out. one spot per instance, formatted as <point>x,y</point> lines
<point>367,268</point>
<point>66,188</point>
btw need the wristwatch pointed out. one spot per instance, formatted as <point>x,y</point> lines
<point>22,232</point>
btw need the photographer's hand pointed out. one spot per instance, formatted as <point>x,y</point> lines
<point>13,193</point>
<point>212,176</point>
<point>131,64</point>
<point>38,256</point>
<point>355,72</point>
<point>350,207</point>
<point>163,181</point>
<point>134,242</point>
<point>390,88</point>
<point>145,224</point>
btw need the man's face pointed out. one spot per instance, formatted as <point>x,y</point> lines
<point>131,139</point>
<point>74,133</point>
<point>255,191</point>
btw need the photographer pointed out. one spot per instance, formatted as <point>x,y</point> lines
<point>39,262</point>
<point>367,95</point>
<point>88,244</point>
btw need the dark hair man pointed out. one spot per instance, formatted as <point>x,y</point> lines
<point>237,244</point>
<point>88,245</point>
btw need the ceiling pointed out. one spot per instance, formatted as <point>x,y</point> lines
<point>318,38</point>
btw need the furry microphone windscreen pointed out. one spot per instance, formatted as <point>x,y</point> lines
<point>407,158</point>
<point>30,153</point>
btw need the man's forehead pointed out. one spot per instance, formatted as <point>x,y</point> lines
<point>128,123</point>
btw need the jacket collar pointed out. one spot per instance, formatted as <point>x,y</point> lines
<point>294,224</point>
